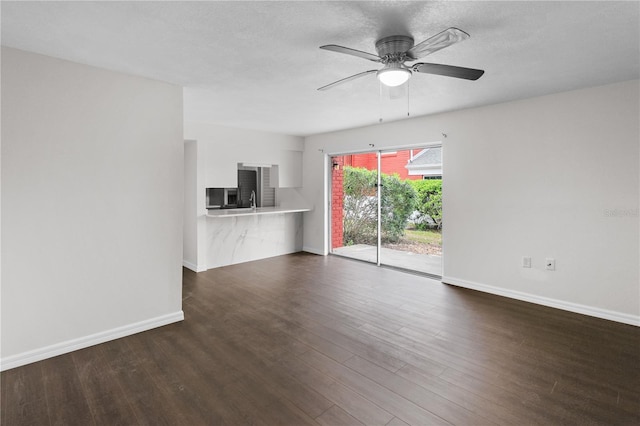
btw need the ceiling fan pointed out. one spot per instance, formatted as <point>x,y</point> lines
<point>395,51</point>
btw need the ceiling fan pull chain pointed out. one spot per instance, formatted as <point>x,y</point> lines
<point>408,91</point>
<point>380,102</point>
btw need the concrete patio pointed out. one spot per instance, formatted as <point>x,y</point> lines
<point>400,259</point>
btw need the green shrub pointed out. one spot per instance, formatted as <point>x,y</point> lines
<point>429,202</point>
<point>361,206</point>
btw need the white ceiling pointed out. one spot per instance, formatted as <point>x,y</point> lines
<point>257,65</point>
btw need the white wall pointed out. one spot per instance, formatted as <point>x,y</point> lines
<point>224,147</point>
<point>190,230</point>
<point>219,150</point>
<point>92,194</point>
<point>555,176</point>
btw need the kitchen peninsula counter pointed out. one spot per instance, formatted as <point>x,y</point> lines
<point>244,234</point>
<point>222,213</point>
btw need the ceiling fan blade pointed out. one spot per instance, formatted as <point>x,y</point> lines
<point>353,52</point>
<point>344,80</point>
<point>439,41</point>
<point>448,70</point>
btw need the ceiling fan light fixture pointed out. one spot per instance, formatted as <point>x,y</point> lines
<point>394,51</point>
<point>393,75</point>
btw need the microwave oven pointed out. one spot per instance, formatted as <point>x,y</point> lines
<point>219,198</point>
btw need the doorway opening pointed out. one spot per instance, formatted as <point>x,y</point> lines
<point>386,208</point>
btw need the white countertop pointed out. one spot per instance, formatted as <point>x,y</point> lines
<point>249,212</point>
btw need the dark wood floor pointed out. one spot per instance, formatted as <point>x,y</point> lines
<point>304,339</point>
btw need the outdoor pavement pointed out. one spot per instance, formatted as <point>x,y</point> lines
<point>424,263</point>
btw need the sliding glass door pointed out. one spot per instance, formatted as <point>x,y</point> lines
<point>412,209</point>
<point>386,208</point>
<point>354,206</point>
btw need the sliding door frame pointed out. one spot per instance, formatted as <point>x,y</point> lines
<point>379,193</point>
<point>329,205</point>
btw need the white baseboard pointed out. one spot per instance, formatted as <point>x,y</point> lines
<point>545,301</point>
<point>313,250</point>
<point>35,355</point>
<point>193,267</point>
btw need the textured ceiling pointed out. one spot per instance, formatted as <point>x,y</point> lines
<point>257,64</point>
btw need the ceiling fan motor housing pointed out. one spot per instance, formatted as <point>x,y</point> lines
<point>393,45</point>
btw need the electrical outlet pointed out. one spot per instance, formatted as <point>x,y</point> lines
<point>526,262</point>
<point>550,264</point>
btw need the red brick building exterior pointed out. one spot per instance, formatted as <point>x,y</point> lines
<point>337,201</point>
<point>391,162</point>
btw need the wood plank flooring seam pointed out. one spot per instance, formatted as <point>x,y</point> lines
<point>304,339</point>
